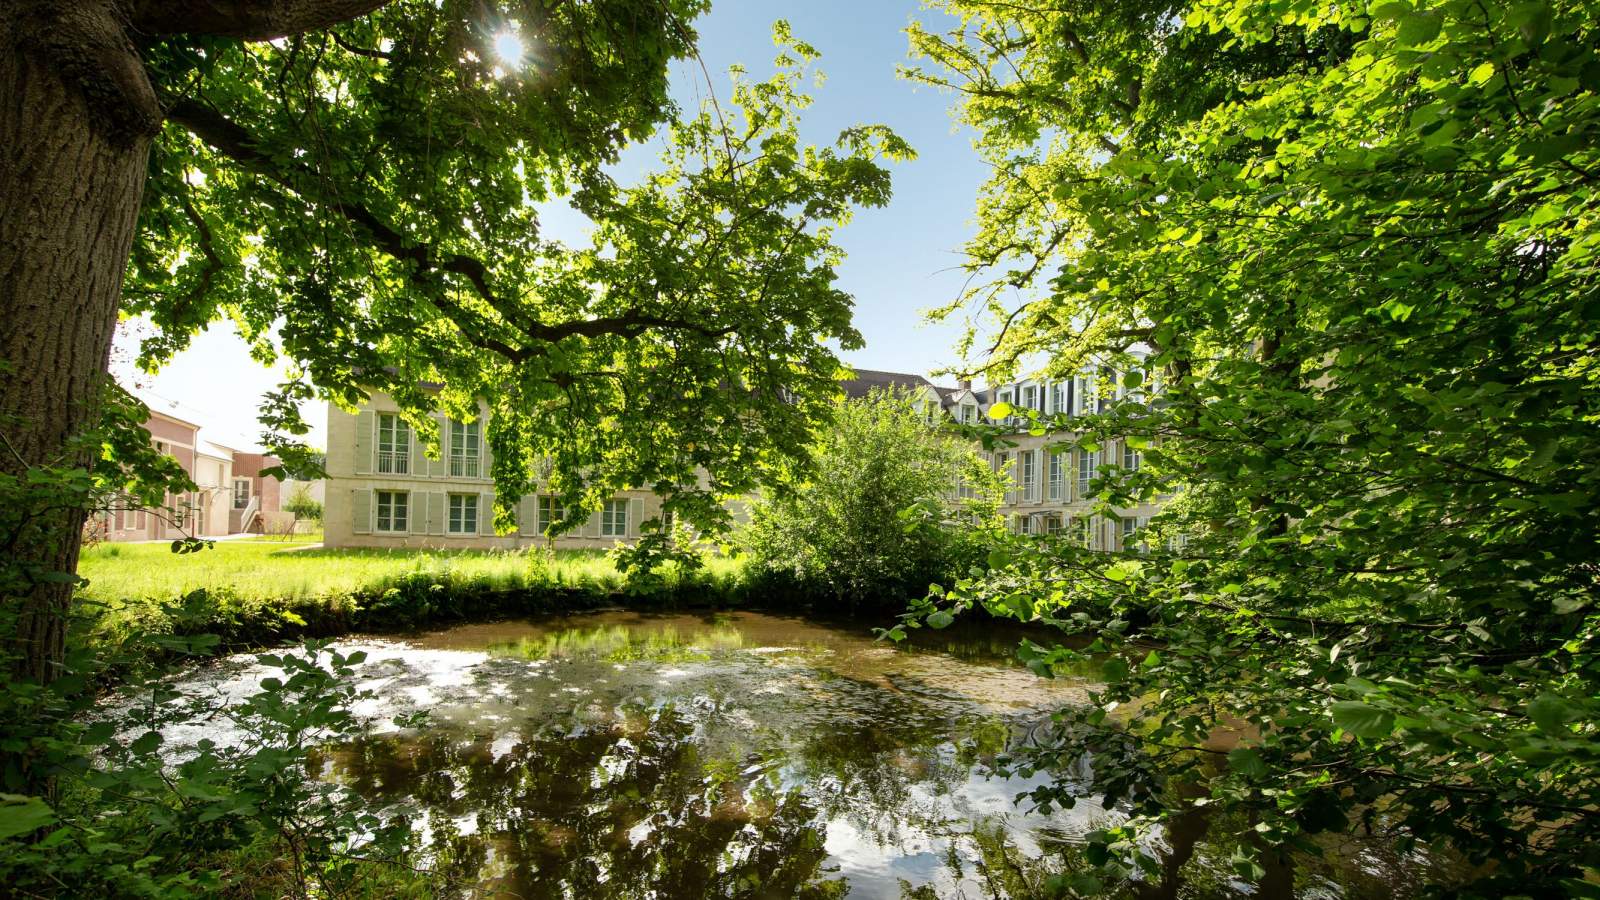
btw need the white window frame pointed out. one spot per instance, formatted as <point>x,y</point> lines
<point>614,519</point>
<point>396,502</point>
<point>237,483</point>
<point>1030,475</point>
<point>461,515</point>
<point>1057,477</point>
<point>550,511</point>
<point>395,435</point>
<point>1058,398</point>
<point>462,463</point>
<point>1088,468</point>
<point>1130,457</point>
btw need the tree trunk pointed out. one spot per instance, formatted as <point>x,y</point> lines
<point>76,120</point>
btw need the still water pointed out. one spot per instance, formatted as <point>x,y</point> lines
<point>626,755</point>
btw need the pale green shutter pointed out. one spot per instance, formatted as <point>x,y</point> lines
<point>485,458</point>
<point>635,515</point>
<point>365,429</point>
<point>440,468</point>
<point>419,455</point>
<point>486,514</point>
<point>417,512</point>
<point>361,511</point>
<point>528,516</point>
<point>438,512</point>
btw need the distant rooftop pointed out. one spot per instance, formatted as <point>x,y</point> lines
<point>869,380</point>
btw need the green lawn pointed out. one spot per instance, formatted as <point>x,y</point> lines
<point>255,580</point>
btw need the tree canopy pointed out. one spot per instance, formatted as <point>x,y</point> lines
<point>365,200</point>
<point>1359,240</point>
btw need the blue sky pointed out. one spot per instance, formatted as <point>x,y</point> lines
<point>900,261</point>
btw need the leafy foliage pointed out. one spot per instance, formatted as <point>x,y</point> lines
<point>303,505</point>
<point>366,199</point>
<point>1360,241</point>
<point>876,519</point>
<point>197,821</point>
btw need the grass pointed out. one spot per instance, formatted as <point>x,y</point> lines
<point>262,590</point>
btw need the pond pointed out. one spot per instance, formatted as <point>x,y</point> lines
<point>625,755</point>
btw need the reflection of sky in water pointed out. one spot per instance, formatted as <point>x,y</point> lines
<point>625,755</point>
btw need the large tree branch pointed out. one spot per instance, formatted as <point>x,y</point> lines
<point>236,142</point>
<point>250,20</point>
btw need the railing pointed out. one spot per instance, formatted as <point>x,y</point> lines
<point>394,462</point>
<point>463,467</point>
<point>239,519</point>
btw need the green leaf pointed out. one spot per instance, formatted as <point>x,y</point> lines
<point>1115,669</point>
<point>1000,411</point>
<point>23,815</point>
<point>1247,762</point>
<point>1419,28</point>
<point>1363,720</point>
<point>1552,712</point>
<point>940,619</point>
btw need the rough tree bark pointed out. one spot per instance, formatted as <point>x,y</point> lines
<point>77,117</point>
<point>75,129</point>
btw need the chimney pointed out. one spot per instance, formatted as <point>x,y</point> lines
<point>966,384</point>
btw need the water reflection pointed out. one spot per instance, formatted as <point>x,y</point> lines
<point>619,755</point>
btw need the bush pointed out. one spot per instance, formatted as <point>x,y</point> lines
<point>303,505</point>
<point>876,519</point>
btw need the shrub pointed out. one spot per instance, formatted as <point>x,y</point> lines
<point>303,505</point>
<point>876,517</point>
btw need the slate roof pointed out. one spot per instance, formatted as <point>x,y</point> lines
<point>868,380</point>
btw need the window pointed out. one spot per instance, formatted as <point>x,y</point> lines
<point>1058,398</point>
<point>463,514</point>
<point>465,448</point>
<point>1022,524</point>
<point>1030,397</point>
<point>1130,457</point>
<point>1088,468</point>
<point>241,493</point>
<point>392,510</point>
<point>1130,529</point>
<point>1030,474</point>
<point>1005,397</point>
<point>1052,523</point>
<point>1058,477</point>
<point>969,413</point>
<point>394,444</point>
<point>550,512</point>
<point>614,519</point>
<point>1002,465</point>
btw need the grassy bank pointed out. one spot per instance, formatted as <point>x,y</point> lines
<point>262,591</point>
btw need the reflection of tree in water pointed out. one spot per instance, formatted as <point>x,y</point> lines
<point>629,810</point>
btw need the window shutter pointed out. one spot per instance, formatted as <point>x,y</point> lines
<point>438,510</point>
<point>361,511</point>
<point>486,514</point>
<point>419,456</point>
<point>528,516</point>
<point>485,458</point>
<point>438,468</point>
<point>635,515</point>
<point>591,526</point>
<point>366,443</point>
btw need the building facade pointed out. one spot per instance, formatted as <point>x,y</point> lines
<point>384,492</point>
<point>231,495</point>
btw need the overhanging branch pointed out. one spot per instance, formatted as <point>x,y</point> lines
<point>237,143</point>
